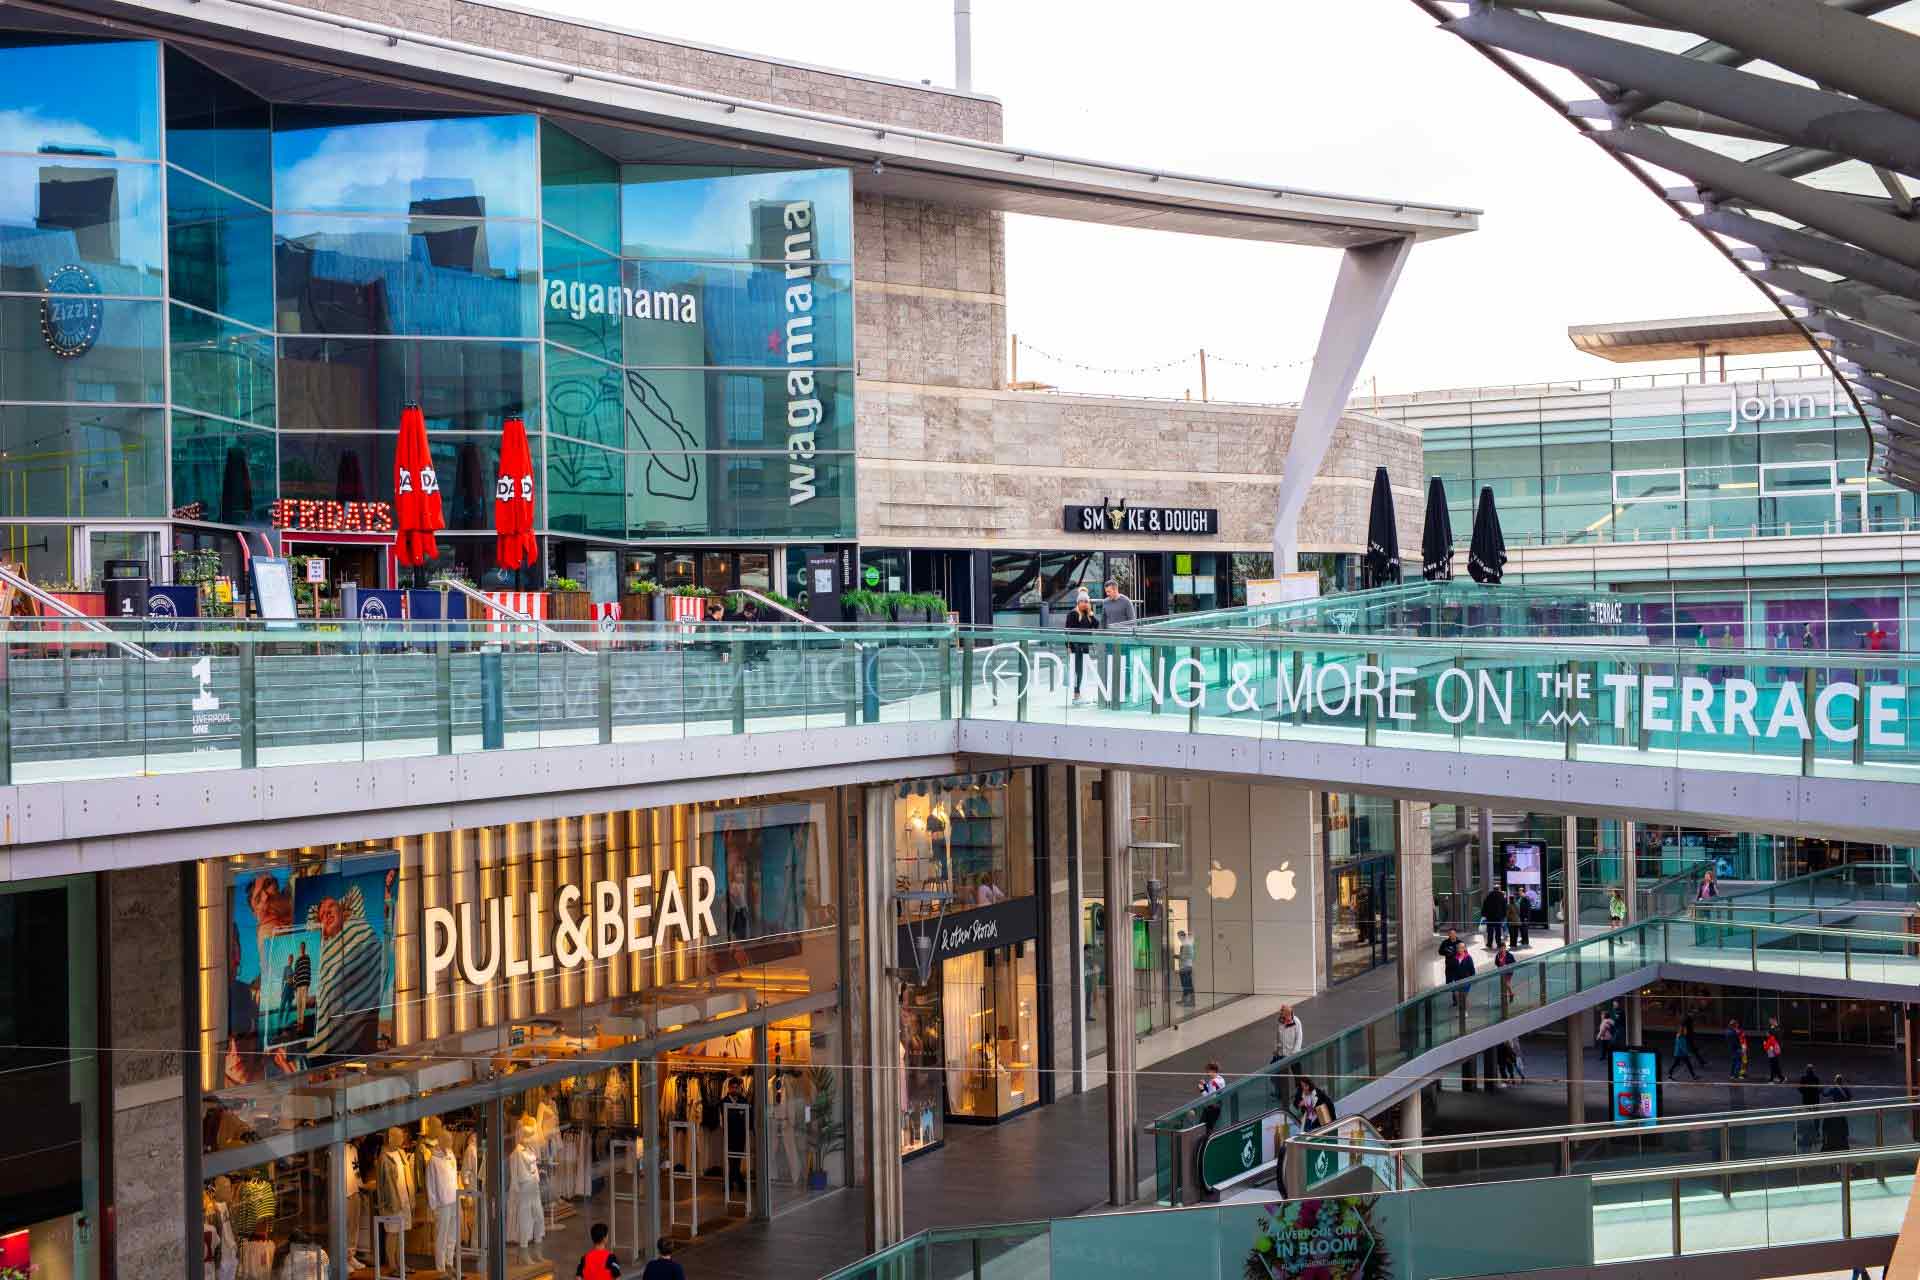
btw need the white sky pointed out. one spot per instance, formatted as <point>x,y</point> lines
<point>1365,97</point>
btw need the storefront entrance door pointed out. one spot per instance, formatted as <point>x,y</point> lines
<point>1363,919</point>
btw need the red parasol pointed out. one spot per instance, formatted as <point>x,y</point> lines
<point>514,546</point>
<point>417,514</point>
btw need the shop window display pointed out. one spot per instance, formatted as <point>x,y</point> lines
<point>395,1015</point>
<point>963,841</point>
<point>991,1032</point>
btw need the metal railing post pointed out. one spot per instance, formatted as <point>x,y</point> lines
<point>1567,704</point>
<point>603,690</point>
<point>1846,1200</point>
<point>1846,957</point>
<point>946,677</point>
<point>1809,680</point>
<point>1200,694</point>
<point>1673,1186</point>
<point>249,707</point>
<point>1859,716</point>
<point>443,693</point>
<point>737,662</point>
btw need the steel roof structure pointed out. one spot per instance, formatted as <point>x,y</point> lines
<point>1631,341</point>
<point>1787,132</point>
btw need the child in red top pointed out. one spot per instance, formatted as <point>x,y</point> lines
<point>599,1262</point>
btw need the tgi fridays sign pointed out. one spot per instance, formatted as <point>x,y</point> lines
<point>511,937</point>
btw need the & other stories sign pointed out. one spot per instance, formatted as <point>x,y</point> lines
<point>1000,925</point>
<point>1151,521</point>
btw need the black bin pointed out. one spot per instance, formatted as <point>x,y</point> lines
<point>126,586</point>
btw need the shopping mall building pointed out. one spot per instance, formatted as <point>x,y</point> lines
<point>229,270</point>
<point>747,311</point>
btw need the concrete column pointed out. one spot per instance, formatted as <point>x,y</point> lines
<point>1123,1151</point>
<point>1635,1029</point>
<point>1576,1029</point>
<point>1413,832</point>
<point>1570,899</point>
<point>154,1038</point>
<point>880,1010</point>
<point>1413,1125</point>
<point>760,1184</point>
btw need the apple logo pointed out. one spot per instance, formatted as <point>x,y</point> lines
<point>1221,882</point>
<point>1280,884</point>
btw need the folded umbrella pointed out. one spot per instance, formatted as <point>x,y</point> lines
<point>514,546</point>
<point>1487,553</point>
<point>416,491</point>
<point>1436,536</point>
<point>1381,565</point>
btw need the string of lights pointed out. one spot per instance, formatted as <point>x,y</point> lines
<point>1191,357</point>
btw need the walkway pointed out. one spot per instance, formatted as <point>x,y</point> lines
<point>1049,1163</point>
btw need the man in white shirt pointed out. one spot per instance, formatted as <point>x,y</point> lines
<point>1289,1034</point>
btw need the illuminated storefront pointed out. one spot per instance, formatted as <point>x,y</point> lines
<point>458,1048</point>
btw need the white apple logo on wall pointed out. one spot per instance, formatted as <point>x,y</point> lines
<point>1221,882</point>
<point>1280,884</point>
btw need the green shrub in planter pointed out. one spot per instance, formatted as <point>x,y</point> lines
<point>866,606</point>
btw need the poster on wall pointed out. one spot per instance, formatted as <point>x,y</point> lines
<point>1634,1086</point>
<point>768,863</point>
<point>310,963</point>
<point>1334,1238</point>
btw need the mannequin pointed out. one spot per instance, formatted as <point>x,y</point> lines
<point>355,1205</point>
<point>789,1118</point>
<point>222,1199</point>
<point>397,1192</point>
<point>443,1200</point>
<point>526,1222</point>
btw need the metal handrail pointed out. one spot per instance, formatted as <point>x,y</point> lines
<point>777,607</point>
<point>512,615</point>
<point>1817,1159</point>
<point>66,610</point>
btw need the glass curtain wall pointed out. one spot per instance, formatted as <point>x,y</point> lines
<point>699,328</point>
<point>82,296</point>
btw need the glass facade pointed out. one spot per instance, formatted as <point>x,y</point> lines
<point>210,300</point>
<point>1719,460</point>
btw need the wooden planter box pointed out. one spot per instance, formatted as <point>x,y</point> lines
<point>637,606</point>
<point>569,606</point>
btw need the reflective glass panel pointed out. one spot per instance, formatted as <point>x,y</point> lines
<point>337,467</point>
<point>80,226</point>
<point>221,251</point>
<point>671,212</point>
<point>675,409</point>
<point>222,472</point>
<point>746,494</point>
<point>77,348</point>
<point>711,313</point>
<point>378,162</point>
<point>584,400</point>
<point>82,461</point>
<point>580,188</point>
<point>357,384</point>
<point>428,276</point>
<point>221,367</point>
<point>586,489</point>
<point>217,129</point>
<point>582,299</point>
<point>81,99</point>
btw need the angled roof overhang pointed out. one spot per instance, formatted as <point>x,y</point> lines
<point>1787,132</point>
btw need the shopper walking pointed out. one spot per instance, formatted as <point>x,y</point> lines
<point>1183,962</point>
<point>1517,913</point>
<point>1115,609</point>
<point>1493,913</point>
<point>1289,1033</point>
<point>664,1267</point>
<point>1458,968</point>
<point>1502,961</point>
<point>1078,655</point>
<point>1509,1061</point>
<point>1807,1132</point>
<point>1682,1054</point>
<point>1603,1038</point>
<point>1616,909</point>
<point>598,1262</point>
<point>1736,1038</point>
<point>1771,1047</point>
<point>1449,944</point>
<point>1834,1135</point>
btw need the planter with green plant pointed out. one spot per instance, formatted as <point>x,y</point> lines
<point>568,601</point>
<point>866,606</point>
<point>825,1133</point>
<point>917,606</point>
<point>641,600</point>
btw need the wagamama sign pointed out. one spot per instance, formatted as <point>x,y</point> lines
<point>617,916</point>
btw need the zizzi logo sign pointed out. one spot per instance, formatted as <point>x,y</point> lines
<point>1760,405</point>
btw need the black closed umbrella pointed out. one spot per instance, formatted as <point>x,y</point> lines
<point>1381,567</point>
<point>1487,554</point>
<point>1436,536</point>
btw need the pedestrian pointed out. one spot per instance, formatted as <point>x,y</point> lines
<point>1289,1034</point>
<point>1493,913</point>
<point>598,1263</point>
<point>1311,1105</point>
<point>1115,609</point>
<point>1507,1061</point>
<point>1709,887</point>
<point>1502,961</point>
<point>1449,943</point>
<point>1090,974</point>
<point>739,1126</point>
<point>1682,1053</point>
<point>1459,968</point>
<point>1212,1084</point>
<point>1616,909</point>
<point>1834,1135</point>
<point>1183,961</point>
<point>1807,1132</point>
<point>1604,1037</point>
<point>1518,911</point>
<point>1081,619</point>
<point>1736,1039</point>
<point>1693,1040</point>
<point>1809,1087</point>
<point>1771,1047</point>
<point>664,1267</point>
